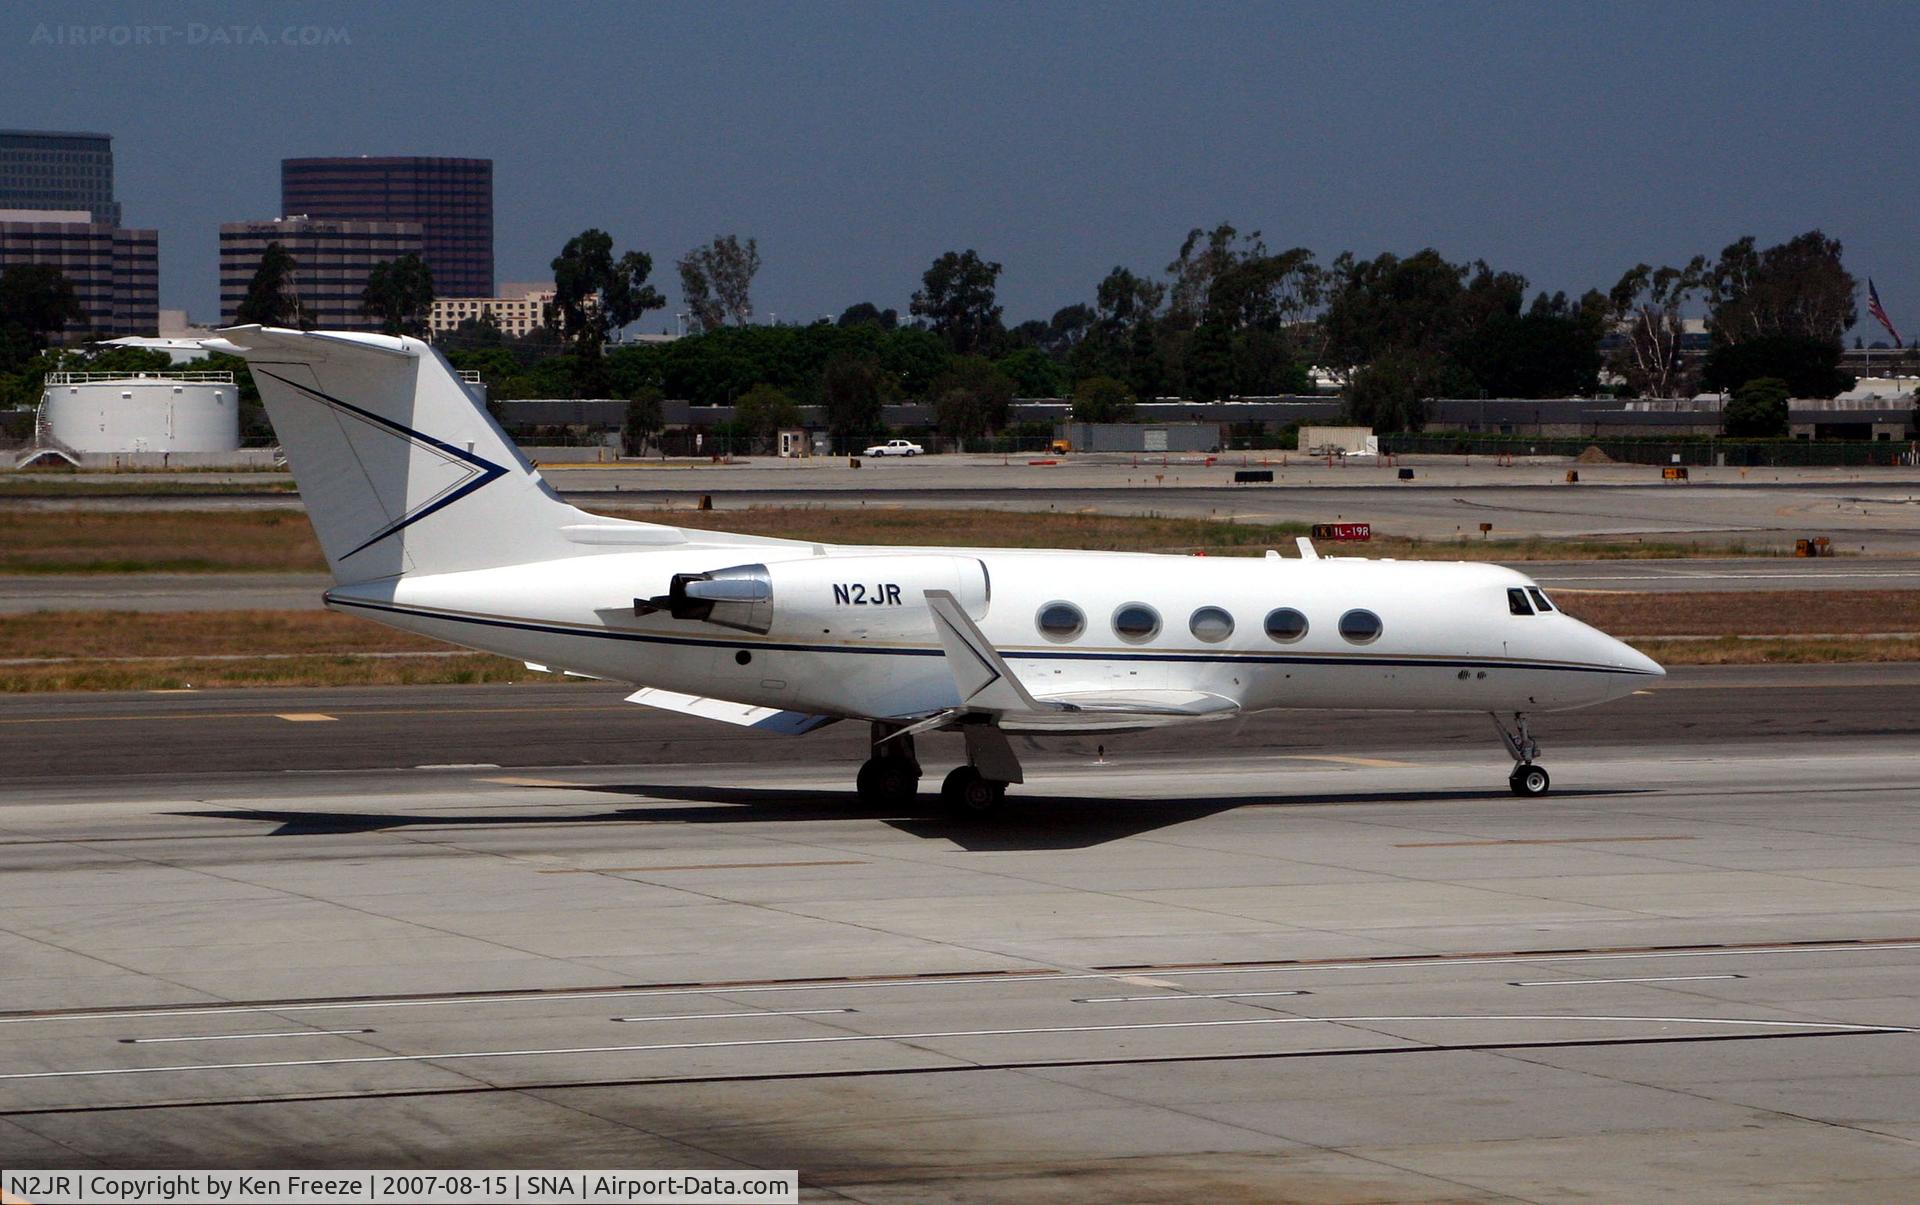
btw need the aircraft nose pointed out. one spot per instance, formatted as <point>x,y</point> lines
<point>1635,669</point>
<point>1625,668</point>
<point>1633,659</point>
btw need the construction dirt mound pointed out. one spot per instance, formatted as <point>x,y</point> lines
<point>1593,455</point>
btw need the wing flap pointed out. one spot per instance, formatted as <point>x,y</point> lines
<point>763,719</point>
<point>1181,704</point>
<point>1120,711</point>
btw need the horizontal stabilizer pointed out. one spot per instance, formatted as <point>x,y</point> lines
<point>636,535</point>
<point>763,719</point>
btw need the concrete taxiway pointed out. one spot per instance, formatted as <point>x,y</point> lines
<point>1323,957</point>
<point>168,736</point>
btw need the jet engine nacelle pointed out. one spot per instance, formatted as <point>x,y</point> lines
<point>879,596</point>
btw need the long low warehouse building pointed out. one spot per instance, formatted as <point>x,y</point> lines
<point>1873,417</point>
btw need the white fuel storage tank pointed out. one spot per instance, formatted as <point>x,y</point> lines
<point>142,412</point>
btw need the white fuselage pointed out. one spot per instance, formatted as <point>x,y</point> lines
<point>847,631</point>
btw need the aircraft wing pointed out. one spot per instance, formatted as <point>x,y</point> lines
<point>987,686</point>
<point>765,719</point>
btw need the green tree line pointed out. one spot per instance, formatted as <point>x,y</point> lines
<point>1227,316</point>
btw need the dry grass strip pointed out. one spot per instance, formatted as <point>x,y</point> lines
<point>280,540</point>
<point>340,670</point>
<point>157,541</point>
<point>103,635</point>
<point>1745,612</point>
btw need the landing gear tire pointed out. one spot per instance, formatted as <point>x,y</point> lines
<point>966,793</point>
<point>1529,781</point>
<point>887,782</point>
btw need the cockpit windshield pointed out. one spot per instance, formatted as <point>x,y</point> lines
<point>1517,602</point>
<point>1539,598</point>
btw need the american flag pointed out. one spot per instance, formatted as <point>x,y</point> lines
<point>1879,314</point>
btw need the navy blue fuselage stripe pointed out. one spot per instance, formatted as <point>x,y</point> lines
<point>489,471</point>
<point>550,629</point>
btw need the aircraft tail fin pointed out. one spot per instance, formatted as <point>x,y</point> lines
<point>401,468</point>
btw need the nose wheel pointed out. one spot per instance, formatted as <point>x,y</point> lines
<point>1528,780</point>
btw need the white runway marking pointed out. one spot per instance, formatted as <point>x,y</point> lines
<point>1649,979</point>
<point>452,1056</point>
<point>793,1012</point>
<point>235,1037</point>
<point>958,981</point>
<point>1505,959</point>
<point>1186,996</point>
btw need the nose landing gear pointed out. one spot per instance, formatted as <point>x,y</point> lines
<point>1527,780</point>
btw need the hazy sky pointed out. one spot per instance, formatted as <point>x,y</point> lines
<point>858,141</point>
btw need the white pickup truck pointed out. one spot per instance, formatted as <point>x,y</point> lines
<point>894,447</point>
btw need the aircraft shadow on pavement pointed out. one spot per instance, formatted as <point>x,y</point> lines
<point>1028,823</point>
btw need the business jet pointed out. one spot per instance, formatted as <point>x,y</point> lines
<point>433,522</point>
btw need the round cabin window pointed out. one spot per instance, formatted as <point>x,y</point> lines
<point>1061,621</point>
<point>1136,623</point>
<point>1286,625</point>
<point>1211,624</point>
<point>1360,626</point>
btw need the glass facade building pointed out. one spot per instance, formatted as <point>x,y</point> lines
<point>450,199</point>
<point>50,169</point>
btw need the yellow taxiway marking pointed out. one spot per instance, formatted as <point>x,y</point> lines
<point>1533,841</point>
<point>305,717</point>
<point>533,782</point>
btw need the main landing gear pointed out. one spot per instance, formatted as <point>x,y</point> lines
<point>891,776</point>
<point>967,792</point>
<point>1527,780</point>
